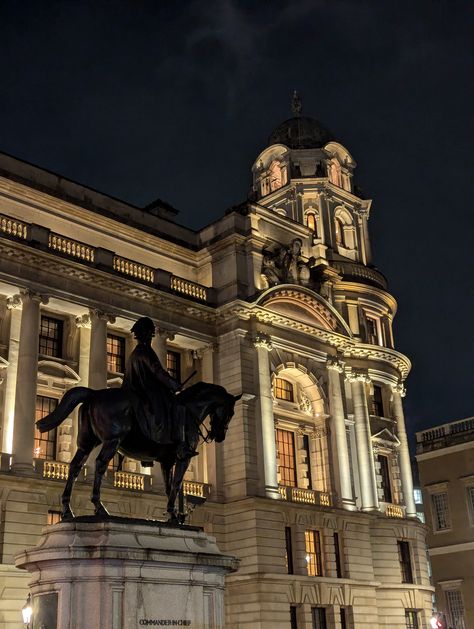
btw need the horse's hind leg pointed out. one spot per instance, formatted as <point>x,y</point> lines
<point>109,448</point>
<point>76,465</point>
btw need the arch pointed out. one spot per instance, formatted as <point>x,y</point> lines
<point>304,305</point>
<point>307,393</point>
<point>335,173</point>
<point>344,229</point>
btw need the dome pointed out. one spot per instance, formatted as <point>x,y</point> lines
<point>301,132</point>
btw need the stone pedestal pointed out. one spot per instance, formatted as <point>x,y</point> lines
<point>126,575</point>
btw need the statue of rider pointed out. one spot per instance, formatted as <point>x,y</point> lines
<point>164,420</point>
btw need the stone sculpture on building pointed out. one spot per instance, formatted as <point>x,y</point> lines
<point>285,265</point>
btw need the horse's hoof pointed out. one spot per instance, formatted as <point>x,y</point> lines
<point>67,515</point>
<point>173,518</point>
<point>101,511</point>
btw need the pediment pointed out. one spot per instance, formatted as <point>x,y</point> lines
<point>386,437</point>
<point>305,306</point>
<point>58,372</point>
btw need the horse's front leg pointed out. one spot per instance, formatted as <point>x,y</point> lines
<point>106,454</point>
<point>179,471</point>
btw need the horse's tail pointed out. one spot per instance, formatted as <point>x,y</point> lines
<point>70,400</point>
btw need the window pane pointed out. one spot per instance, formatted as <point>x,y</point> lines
<point>319,617</point>
<point>385,476</point>
<point>285,442</point>
<point>51,337</point>
<point>293,623</point>
<point>337,550</point>
<point>115,353</point>
<point>289,550</point>
<point>405,561</point>
<point>377,401</point>
<point>343,618</point>
<point>411,619</point>
<point>283,390</point>
<point>440,511</point>
<point>45,443</point>
<point>173,365</point>
<point>54,517</point>
<point>455,608</point>
<point>313,553</point>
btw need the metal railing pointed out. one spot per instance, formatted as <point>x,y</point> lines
<point>13,227</point>
<point>134,269</point>
<point>191,289</point>
<point>355,270</point>
<point>305,496</point>
<point>70,247</point>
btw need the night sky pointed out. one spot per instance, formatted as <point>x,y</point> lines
<point>176,99</point>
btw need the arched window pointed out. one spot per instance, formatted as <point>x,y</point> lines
<point>335,173</point>
<point>283,390</point>
<point>339,231</point>
<point>275,176</point>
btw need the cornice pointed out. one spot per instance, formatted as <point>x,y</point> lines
<point>364,290</point>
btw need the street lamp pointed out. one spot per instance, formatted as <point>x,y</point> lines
<point>27,611</point>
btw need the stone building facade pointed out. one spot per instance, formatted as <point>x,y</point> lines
<point>445,456</point>
<point>277,300</point>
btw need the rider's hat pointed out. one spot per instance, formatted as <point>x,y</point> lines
<point>144,326</point>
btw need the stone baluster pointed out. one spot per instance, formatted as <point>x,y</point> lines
<point>267,424</point>
<point>14,305</point>
<point>404,457</point>
<point>368,483</point>
<point>338,434</point>
<point>27,374</point>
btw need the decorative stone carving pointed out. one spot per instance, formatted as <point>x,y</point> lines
<point>83,321</point>
<point>399,388</point>
<point>14,302</point>
<point>335,363</point>
<point>305,403</point>
<point>285,265</point>
<point>263,340</point>
<point>358,375</point>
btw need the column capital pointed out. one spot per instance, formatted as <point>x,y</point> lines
<point>399,388</point>
<point>83,321</point>
<point>98,315</point>
<point>263,340</point>
<point>30,295</point>
<point>335,363</point>
<point>163,333</point>
<point>14,302</point>
<point>358,375</point>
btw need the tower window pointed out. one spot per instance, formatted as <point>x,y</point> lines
<point>335,173</point>
<point>373,335</point>
<point>285,442</point>
<point>312,223</point>
<point>339,232</point>
<point>313,553</point>
<point>115,353</point>
<point>385,475</point>
<point>377,401</point>
<point>51,337</point>
<point>45,443</point>
<point>283,390</point>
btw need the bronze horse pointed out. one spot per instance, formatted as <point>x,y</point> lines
<point>107,417</point>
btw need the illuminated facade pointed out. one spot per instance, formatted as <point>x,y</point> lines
<point>279,300</point>
<point>445,456</point>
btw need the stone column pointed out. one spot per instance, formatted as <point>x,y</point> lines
<point>83,323</point>
<point>207,468</point>
<point>158,343</point>
<point>98,349</point>
<point>27,374</point>
<point>338,434</point>
<point>368,484</point>
<point>405,465</point>
<point>267,424</point>
<point>14,305</point>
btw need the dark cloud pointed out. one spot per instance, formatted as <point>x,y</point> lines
<point>137,97</point>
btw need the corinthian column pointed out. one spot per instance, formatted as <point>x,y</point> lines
<point>405,466</point>
<point>159,343</point>
<point>14,305</point>
<point>27,374</point>
<point>338,433</point>
<point>98,349</point>
<point>368,483</point>
<point>263,346</point>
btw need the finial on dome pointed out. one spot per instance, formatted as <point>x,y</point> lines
<point>296,104</point>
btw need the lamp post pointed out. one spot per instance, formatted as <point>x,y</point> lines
<point>27,611</point>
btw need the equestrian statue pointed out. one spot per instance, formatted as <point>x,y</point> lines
<point>148,419</point>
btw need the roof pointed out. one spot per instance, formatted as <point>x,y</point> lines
<point>301,132</point>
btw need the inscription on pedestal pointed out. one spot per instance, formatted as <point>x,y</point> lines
<point>45,611</point>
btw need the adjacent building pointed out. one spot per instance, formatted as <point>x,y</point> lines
<point>278,300</point>
<point>445,456</point>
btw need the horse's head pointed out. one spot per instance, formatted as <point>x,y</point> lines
<point>221,416</point>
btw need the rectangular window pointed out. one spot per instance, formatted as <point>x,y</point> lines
<point>289,550</point>
<point>45,443</point>
<point>441,518</point>
<point>377,401</point>
<point>455,608</point>
<point>54,517</point>
<point>173,365</point>
<point>470,502</point>
<point>385,476</point>
<point>308,460</point>
<point>319,617</point>
<point>337,550</point>
<point>313,553</point>
<point>373,331</point>
<point>411,619</point>
<point>404,559</point>
<point>285,442</point>
<point>283,390</point>
<point>51,337</point>
<point>115,353</point>
<point>293,623</point>
<point>343,618</point>
<point>418,496</point>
